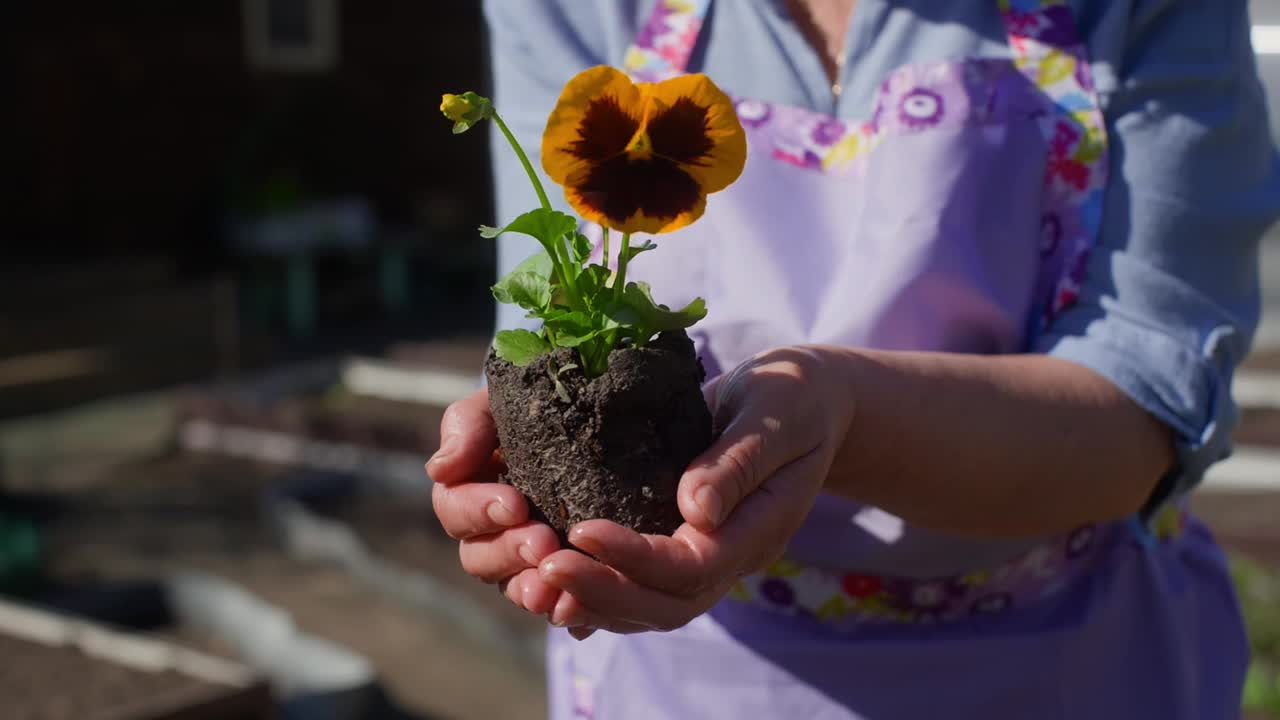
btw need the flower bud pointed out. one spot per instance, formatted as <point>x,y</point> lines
<point>465,110</point>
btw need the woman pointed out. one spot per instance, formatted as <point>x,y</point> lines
<point>976,303</point>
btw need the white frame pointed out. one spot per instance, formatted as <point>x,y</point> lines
<point>319,55</point>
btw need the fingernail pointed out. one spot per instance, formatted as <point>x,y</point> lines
<point>584,542</point>
<point>526,553</point>
<point>435,460</point>
<point>564,620</point>
<point>708,500</point>
<point>446,448</point>
<point>500,513</point>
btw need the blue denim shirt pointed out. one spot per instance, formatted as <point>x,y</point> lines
<point>1172,296</point>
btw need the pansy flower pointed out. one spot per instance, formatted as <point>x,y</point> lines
<point>642,157</point>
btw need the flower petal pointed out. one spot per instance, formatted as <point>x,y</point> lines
<point>692,122</point>
<point>597,114</point>
<point>651,195</point>
<point>641,223</point>
<point>692,145</point>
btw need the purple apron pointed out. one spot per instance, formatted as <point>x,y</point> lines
<point>957,218</point>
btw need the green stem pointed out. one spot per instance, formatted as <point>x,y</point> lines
<point>562,257</point>
<point>599,356</point>
<point>604,257</point>
<point>620,282</point>
<point>590,354</point>
<point>524,160</point>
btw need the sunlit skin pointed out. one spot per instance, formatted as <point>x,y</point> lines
<point>907,432</point>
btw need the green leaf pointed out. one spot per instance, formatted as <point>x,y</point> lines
<point>581,247</point>
<point>593,283</point>
<point>573,341</point>
<point>520,347</point>
<point>538,263</point>
<point>572,328</point>
<point>526,289</point>
<point>635,250</point>
<point>638,307</point>
<point>568,320</point>
<point>561,391</point>
<point>548,226</point>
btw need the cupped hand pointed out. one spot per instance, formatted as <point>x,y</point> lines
<point>779,418</point>
<point>498,541</point>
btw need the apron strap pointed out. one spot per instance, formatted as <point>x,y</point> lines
<point>1049,51</point>
<point>666,41</point>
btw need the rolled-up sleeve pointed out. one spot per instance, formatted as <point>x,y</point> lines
<point>1171,297</point>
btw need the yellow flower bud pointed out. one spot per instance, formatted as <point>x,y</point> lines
<point>455,107</point>
<point>465,110</point>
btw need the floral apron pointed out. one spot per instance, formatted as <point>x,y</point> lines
<point>957,218</point>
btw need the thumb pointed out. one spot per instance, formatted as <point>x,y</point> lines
<point>468,439</point>
<point>756,438</point>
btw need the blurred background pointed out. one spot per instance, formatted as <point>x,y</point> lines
<point>240,282</point>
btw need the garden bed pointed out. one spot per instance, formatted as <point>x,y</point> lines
<point>56,668</point>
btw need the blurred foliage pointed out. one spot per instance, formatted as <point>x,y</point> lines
<point>1259,591</point>
<point>281,192</point>
<point>19,553</point>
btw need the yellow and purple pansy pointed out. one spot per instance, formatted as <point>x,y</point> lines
<point>642,157</point>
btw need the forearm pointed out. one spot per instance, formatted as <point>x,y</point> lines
<point>991,445</point>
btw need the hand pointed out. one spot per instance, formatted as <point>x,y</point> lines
<point>742,500</point>
<point>499,544</point>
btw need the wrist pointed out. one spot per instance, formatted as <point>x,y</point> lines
<point>831,375</point>
<point>843,380</point>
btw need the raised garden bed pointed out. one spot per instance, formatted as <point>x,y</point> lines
<point>1259,426</point>
<point>396,407</point>
<point>57,668</point>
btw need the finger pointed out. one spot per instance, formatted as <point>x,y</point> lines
<point>686,564</point>
<point>757,440</point>
<point>691,563</point>
<point>473,509</point>
<point>612,597</point>
<point>570,613</point>
<point>711,390</point>
<point>468,438</point>
<point>527,591</point>
<point>499,556</point>
<point>760,527</point>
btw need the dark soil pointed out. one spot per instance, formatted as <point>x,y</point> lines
<point>617,448</point>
